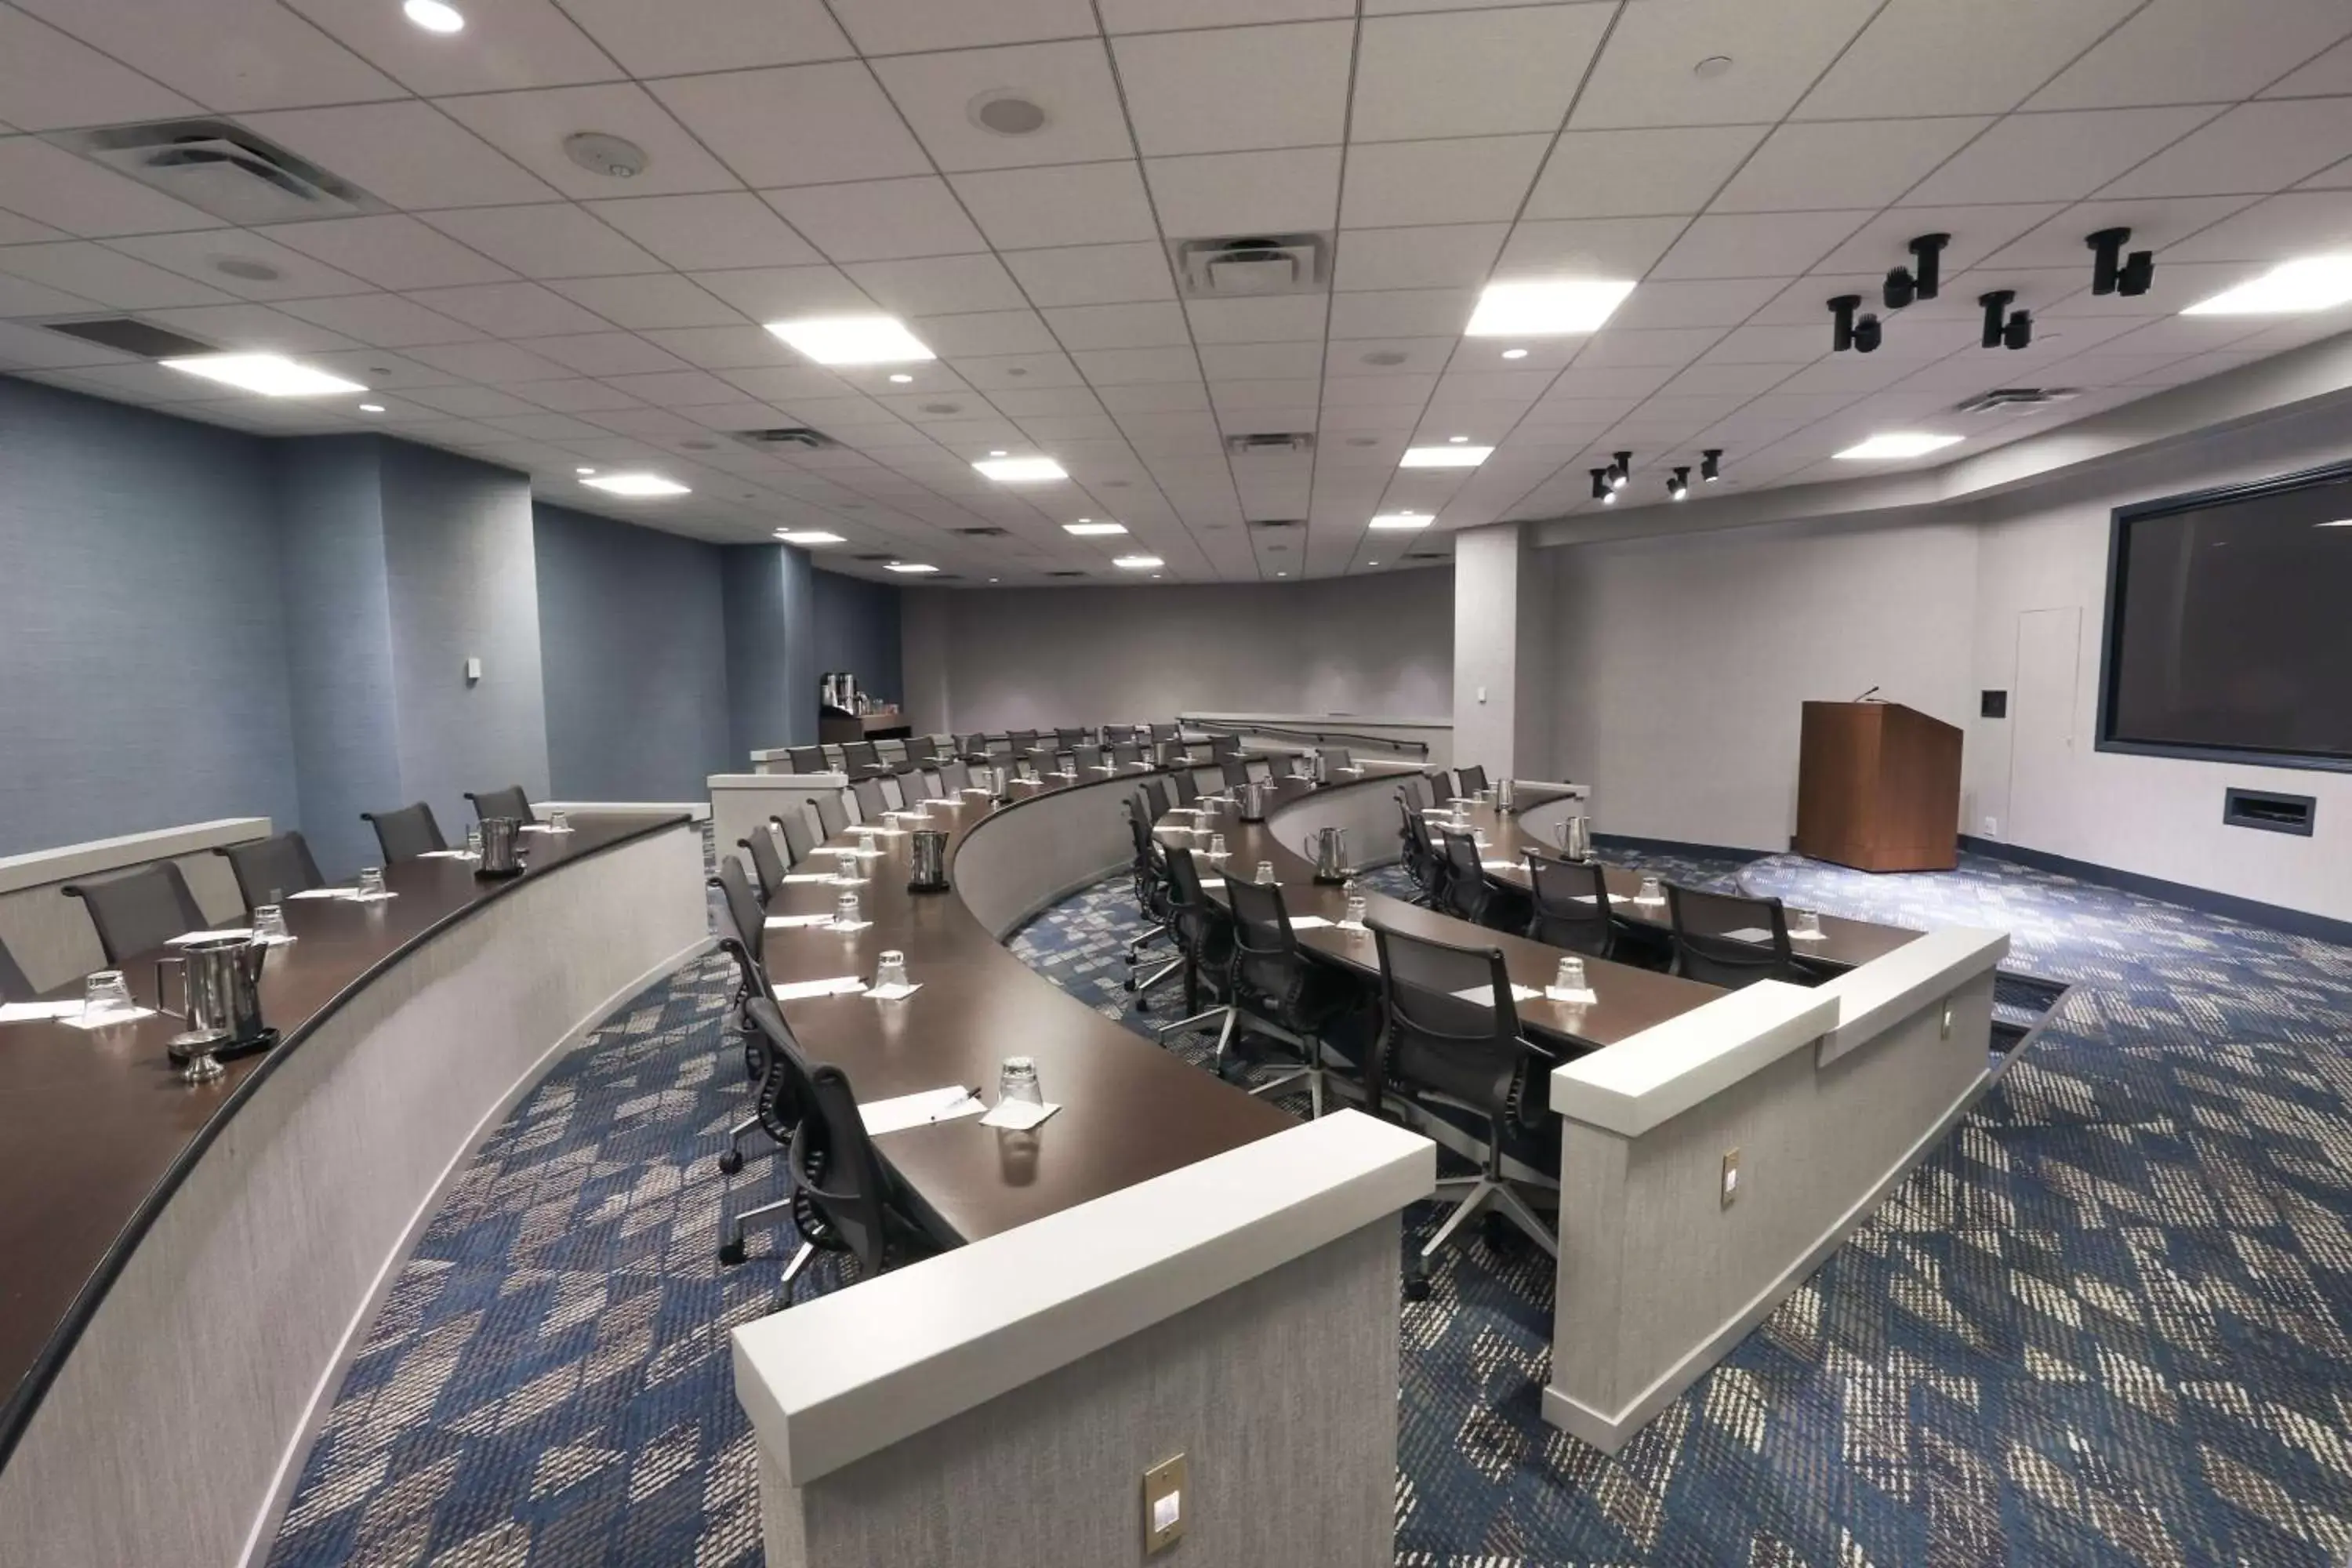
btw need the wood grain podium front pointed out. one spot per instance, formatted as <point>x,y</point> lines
<point>1878,787</point>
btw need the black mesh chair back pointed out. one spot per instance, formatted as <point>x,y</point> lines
<point>1187,787</point>
<point>859,758</point>
<point>1069,740</point>
<point>1022,742</point>
<point>1234,771</point>
<point>511,802</point>
<point>1337,760</point>
<point>1437,1042</point>
<point>971,748</point>
<point>1155,792</point>
<point>1224,746</point>
<point>832,816</point>
<point>867,794</point>
<point>1148,866</point>
<point>923,749</point>
<point>894,790</point>
<point>804,759</point>
<point>269,868</point>
<point>1127,755</point>
<point>14,986</point>
<point>1571,905</point>
<point>1166,732</point>
<point>1474,780</point>
<point>1466,893</point>
<point>1417,791</point>
<point>928,786</point>
<point>783,1099</point>
<point>405,834</point>
<point>1087,759</point>
<point>800,840</point>
<point>1421,860</point>
<point>955,776</point>
<point>138,910</point>
<point>833,1163</point>
<point>767,862</point>
<point>747,915</point>
<point>1266,961</point>
<point>1204,932</point>
<point>1726,939</point>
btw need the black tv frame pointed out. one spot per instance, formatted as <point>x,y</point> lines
<point>2196,500</point>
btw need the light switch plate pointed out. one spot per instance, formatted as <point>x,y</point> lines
<point>473,670</point>
<point>1163,1505</point>
<point>1730,1177</point>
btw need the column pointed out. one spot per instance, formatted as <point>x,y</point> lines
<point>1502,652</point>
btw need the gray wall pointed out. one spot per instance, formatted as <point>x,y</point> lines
<point>857,630</point>
<point>772,668</point>
<point>1022,657</point>
<point>145,670</point>
<point>633,649</point>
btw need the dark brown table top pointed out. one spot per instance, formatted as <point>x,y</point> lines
<point>1628,1000</point>
<point>1131,1111</point>
<point>96,1130</point>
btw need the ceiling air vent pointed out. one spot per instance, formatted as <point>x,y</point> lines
<point>1278,523</point>
<point>981,532</point>
<point>1065,574</point>
<point>2017,399</point>
<point>132,336</point>
<point>884,556</point>
<point>225,170</point>
<point>1264,441</point>
<point>1425,555</point>
<point>786,436</point>
<point>1251,267</point>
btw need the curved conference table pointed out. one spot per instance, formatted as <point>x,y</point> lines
<point>186,1269</point>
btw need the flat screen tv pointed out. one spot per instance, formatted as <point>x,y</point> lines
<point>2229,630</point>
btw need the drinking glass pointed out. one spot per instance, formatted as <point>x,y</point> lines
<point>1571,975</point>
<point>1017,1080</point>
<point>1265,871</point>
<point>372,882</point>
<point>269,924</point>
<point>1652,891</point>
<point>1804,922</point>
<point>1217,846</point>
<point>845,910</point>
<point>1356,908</point>
<point>865,841</point>
<point>848,863</point>
<point>105,992</point>
<point>559,821</point>
<point>473,840</point>
<point>890,970</point>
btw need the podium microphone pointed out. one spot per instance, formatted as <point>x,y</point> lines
<point>1867,695</point>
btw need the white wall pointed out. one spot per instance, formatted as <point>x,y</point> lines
<point>1034,657</point>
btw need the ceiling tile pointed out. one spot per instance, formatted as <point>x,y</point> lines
<point>2053,157</point>
<point>554,239</point>
<point>1844,163</point>
<point>1976,233</point>
<point>1093,274</point>
<point>2154,223</point>
<point>2254,149</point>
<point>94,272</point>
<point>651,299</point>
<point>49,80</point>
<point>880,219</point>
<point>2298,223</point>
<point>607,354</point>
<point>470,402</point>
<point>1444,255</point>
<point>1379,358</point>
<point>499,364</point>
<point>675,388</point>
<point>1473,179</point>
<point>1402,314</point>
<point>1044,400</point>
<point>679,37</point>
<point>1645,76</point>
<point>1790,344</point>
<point>902,26</point>
<point>510,310</point>
<point>1594,248</point>
<point>1163,15</point>
<point>1087,204</point>
<point>1292,77</point>
<point>1284,317</point>
<point>1904,62</point>
<point>2330,73</point>
<point>723,348</point>
<point>1613,174</point>
<point>708,232</point>
<point>1117,326</point>
<point>196,254</point>
<point>1115,368</point>
<point>1736,380</point>
<point>247,327</point>
<point>1483,73</point>
<point>2188,51</point>
<point>1247,193</point>
<point>50,186</point>
<point>392,251</point>
<point>512,44</point>
<point>1263,361</point>
<point>940,95</point>
<point>986,333</point>
<point>784,384</point>
<point>28,347</point>
<point>275,60</point>
<point>15,230</point>
<point>781,293</point>
<point>1757,245</point>
<point>990,372</point>
<point>410,153</point>
<point>531,128</point>
<point>1670,346</point>
<point>796,125</point>
<point>939,285</point>
<point>23,297</point>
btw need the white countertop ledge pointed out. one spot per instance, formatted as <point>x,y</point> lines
<point>1879,994</point>
<point>37,866</point>
<point>1650,1078</point>
<point>849,1373</point>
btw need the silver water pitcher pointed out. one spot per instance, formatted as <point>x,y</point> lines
<point>1322,769</point>
<point>220,1000</point>
<point>1250,800</point>
<point>1504,794</point>
<point>1329,847</point>
<point>926,858</point>
<point>501,847</point>
<point>1576,837</point>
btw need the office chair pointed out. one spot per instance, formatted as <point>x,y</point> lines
<point>1571,905</point>
<point>1020,742</point>
<point>138,910</point>
<point>779,1107</point>
<point>14,986</point>
<point>861,759</point>
<point>1187,787</point>
<point>1155,795</point>
<point>509,801</point>
<point>1278,988</point>
<point>1440,1051</point>
<point>1234,771</point>
<point>868,1220</point>
<point>1125,754</point>
<point>1087,759</point>
<point>1069,740</point>
<point>1707,948</point>
<point>800,841</point>
<point>268,869</point>
<point>927,785</point>
<point>832,817</point>
<point>742,936</point>
<point>767,862</point>
<point>1205,937</point>
<point>1474,782</point>
<point>1224,746</point>
<point>894,790</point>
<point>867,793</point>
<point>922,750</point>
<point>405,834</point>
<point>972,748</point>
<point>1166,732</point>
<point>805,759</point>
<point>1423,862</point>
<point>1153,901</point>
<point>955,776</point>
<point>1466,892</point>
<point>1418,794</point>
<point>1337,760</point>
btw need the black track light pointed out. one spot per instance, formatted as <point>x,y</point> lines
<point>1710,465</point>
<point>1620,470</point>
<point>2019,333</point>
<point>1601,490</point>
<point>1848,331</point>
<point>1678,487</point>
<point>2112,272</point>
<point>2004,328</point>
<point>1923,279</point>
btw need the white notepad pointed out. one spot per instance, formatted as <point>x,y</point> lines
<point>1309,922</point>
<point>802,989</point>
<point>1484,994</point>
<point>781,922</point>
<point>898,1114</point>
<point>1018,1115</point>
<point>326,893</point>
<point>107,1020</point>
<point>808,876</point>
<point>189,939</point>
<point>1749,933</point>
<point>34,1012</point>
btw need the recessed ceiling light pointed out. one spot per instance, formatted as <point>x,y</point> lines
<point>2339,522</point>
<point>999,452</point>
<point>1896,444</point>
<point>1713,67</point>
<point>1514,353</point>
<point>901,377</point>
<point>252,271</point>
<point>1457,440</point>
<point>434,16</point>
<point>1400,521</point>
<point>1020,470</point>
<point>1282,574</point>
<point>908,566</point>
<point>852,340</point>
<point>1548,307</point>
<point>1371,563</point>
<point>1007,113</point>
<point>272,375</point>
<point>808,536</point>
<point>1087,528</point>
<point>584,471</point>
<point>2314,283</point>
<point>1137,563</point>
<point>636,485</point>
<point>602,153</point>
<point>1448,457</point>
<point>1384,357</point>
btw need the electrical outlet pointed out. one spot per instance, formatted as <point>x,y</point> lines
<point>1730,1177</point>
<point>1947,1018</point>
<point>1992,827</point>
<point>1163,1505</point>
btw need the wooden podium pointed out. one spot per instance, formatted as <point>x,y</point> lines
<point>1878,787</point>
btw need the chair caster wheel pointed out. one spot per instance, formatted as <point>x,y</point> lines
<point>731,1161</point>
<point>1416,1287</point>
<point>1141,1006</point>
<point>730,1252</point>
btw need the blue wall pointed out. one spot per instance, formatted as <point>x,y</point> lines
<point>857,630</point>
<point>772,668</point>
<point>145,678</point>
<point>633,638</point>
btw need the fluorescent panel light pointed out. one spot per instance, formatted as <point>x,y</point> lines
<point>2314,283</point>
<point>1551,307</point>
<point>1139,562</point>
<point>808,536</point>
<point>908,566</point>
<point>1086,527</point>
<point>636,485</point>
<point>1400,521</point>
<point>852,340</point>
<point>371,407</point>
<point>272,375</point>
<point>1445,456</point>
<point>2339,522</point>
<point>434,16</point>
<point>1896,444</point>
<point>1020,470</point>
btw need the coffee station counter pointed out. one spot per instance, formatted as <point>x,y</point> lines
<point>839,727</point>
<point>186,1268</point>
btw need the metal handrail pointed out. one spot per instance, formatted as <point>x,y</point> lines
<point>1319,737</point>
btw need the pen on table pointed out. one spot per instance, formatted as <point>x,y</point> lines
<point>946,1105</point>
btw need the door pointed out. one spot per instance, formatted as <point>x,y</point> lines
<point>2043,744</point>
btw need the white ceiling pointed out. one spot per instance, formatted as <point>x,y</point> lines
<point>819,155</point>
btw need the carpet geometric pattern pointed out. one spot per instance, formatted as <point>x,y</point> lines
<point>2108,1323</point>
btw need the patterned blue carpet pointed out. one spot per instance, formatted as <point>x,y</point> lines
<point>2106,1324</point>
